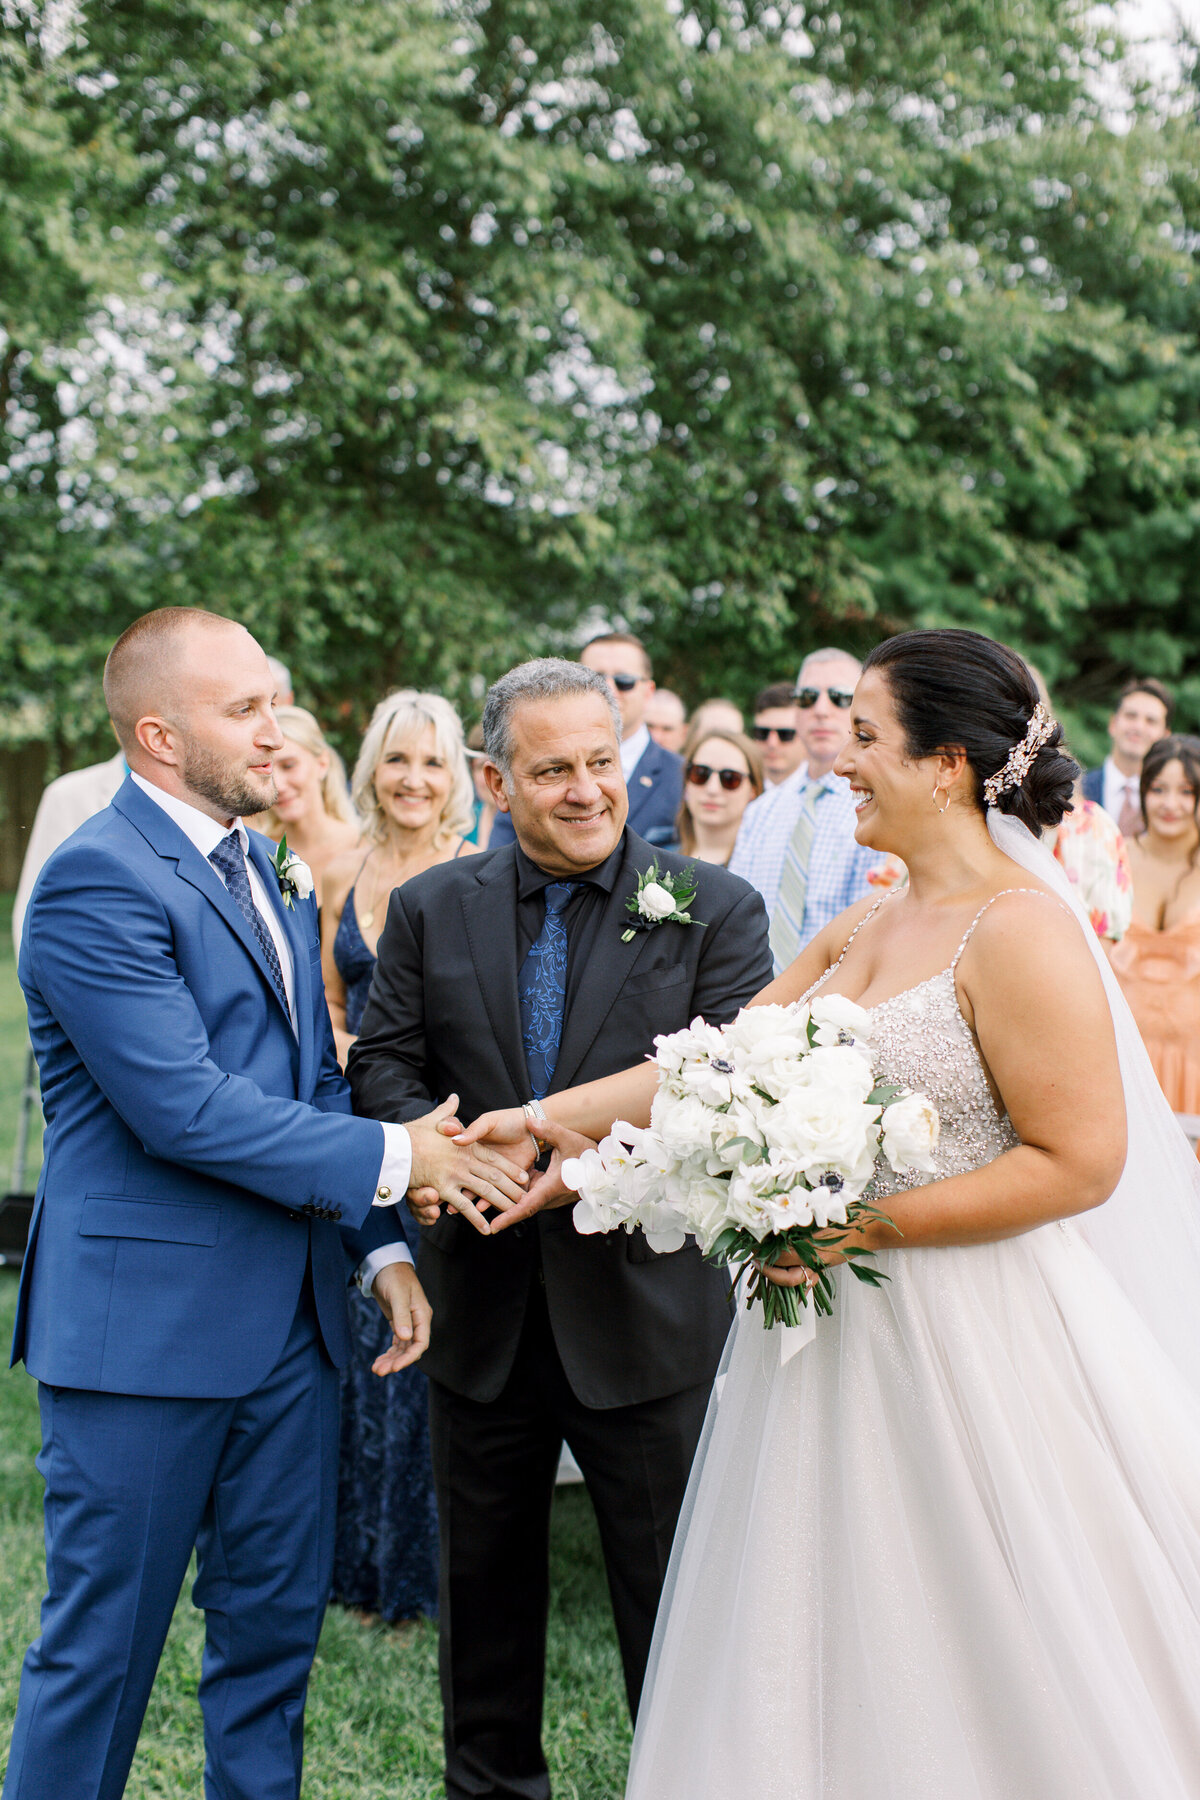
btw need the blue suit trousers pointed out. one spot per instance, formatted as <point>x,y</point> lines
<point>132,1485</point>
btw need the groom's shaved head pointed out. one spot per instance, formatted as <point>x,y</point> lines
<point>148,666</point>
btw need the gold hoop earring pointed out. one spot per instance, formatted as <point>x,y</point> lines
<point>946,793</point>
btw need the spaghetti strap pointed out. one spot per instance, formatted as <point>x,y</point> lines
<point>870,914</point>
<point>966,936</point>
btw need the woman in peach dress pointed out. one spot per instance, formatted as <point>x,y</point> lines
<point>1158,960</point>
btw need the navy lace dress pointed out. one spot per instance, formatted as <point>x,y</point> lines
<point>386,1554</point>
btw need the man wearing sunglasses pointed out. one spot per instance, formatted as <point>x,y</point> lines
<point>796,844</point>
<point>653,775</point>
<point>776,728</point>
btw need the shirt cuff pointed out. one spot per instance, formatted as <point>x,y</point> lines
<point>375,1260</point>
<point>395,1170</point>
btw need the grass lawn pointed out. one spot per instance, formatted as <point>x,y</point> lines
<point>374,1722</point>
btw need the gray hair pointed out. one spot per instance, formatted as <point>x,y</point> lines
<point>829,653</point>
<point>546,678</point>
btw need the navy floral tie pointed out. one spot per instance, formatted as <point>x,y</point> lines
<point>542,986</point>
<point>227,859</point>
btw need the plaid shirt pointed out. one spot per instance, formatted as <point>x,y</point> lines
<point>839,870</point>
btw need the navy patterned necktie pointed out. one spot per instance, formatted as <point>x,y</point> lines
<point>542,986</point>
<point>227,859</point>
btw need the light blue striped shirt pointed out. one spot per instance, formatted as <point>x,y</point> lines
<point>838,867</point>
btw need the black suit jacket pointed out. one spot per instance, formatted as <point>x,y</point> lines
<point>443,1017</point>
<point>655,791</point>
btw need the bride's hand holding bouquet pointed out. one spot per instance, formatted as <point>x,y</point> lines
<point>764,1141</point>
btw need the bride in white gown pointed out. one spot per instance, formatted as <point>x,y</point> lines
<point>951,1550</point>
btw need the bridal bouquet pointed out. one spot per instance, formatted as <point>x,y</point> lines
<point>763,1135</point>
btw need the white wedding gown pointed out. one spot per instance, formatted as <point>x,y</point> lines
<point>950,1551</point>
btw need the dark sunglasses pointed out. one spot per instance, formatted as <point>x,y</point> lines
<point>699,774</point>
<point>807,697</point>
<point>762,734</point>
<point>625,684</point>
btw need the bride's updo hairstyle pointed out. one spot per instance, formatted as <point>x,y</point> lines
<point>953,688</point>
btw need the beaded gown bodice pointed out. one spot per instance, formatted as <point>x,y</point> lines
<point>923,1042</point>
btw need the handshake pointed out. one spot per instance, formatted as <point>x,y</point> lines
<point>488,1167</point>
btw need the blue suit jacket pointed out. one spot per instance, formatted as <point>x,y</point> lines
<point>655,791</point>
<point>188,1127</point>
<point>1093,785</point>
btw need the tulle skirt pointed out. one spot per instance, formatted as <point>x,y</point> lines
<point>950,1552</point>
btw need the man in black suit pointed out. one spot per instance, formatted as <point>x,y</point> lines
<point>653,775</point>
<point>502,978</point>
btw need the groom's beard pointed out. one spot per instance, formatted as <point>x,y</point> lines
<point>225,788</point>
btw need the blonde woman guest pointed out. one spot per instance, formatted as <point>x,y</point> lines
<point>313,809</point>
<point>722,773</point>
<point>412,788</point>
<point>1158,959</point>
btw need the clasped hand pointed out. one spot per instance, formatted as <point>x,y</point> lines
<point>452,1168</point>
<point>507,1143</point>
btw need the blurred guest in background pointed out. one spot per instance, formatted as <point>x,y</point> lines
<point>666,719</point>
<point>284,695</point>
<point>480,833</point>
<point>412,788</point>
<point>65,805</point>
<point>796,844</point>
<point>777,729</point>
<point>1142,716</point>
<point>1158,960</point>
<point>717,714</point>
<point>313,810</point>
<point>654,776</point>
<point>722,774</point>
<point>1091,852</point>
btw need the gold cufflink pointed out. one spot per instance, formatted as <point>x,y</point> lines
<point>383,1193</point>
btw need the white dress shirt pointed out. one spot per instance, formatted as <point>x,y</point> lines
<point>632,751</point>
<point>1114,789</point>
<point>205,832</point>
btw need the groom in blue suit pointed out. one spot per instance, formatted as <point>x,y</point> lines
<point>204,1198</point>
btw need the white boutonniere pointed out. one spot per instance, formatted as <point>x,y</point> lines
<point>661,900</point>
<point>293,874</point>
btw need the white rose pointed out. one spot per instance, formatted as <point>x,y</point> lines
<point>745,1205</point>
<point>654,901</point>
<point>754,1023</point>
<point>706,1208</point>
<point>823,1128</point>
<point>684,1125</point>
<point>300,876</point>
<point>840,1068</point>
<point>910,1133</point>
<point>840,1021</point>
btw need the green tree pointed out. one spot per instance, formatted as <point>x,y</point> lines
<point>463,325</point>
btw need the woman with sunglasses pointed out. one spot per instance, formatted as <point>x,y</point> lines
<point>722,773</point>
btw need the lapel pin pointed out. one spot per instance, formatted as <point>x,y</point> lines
<point>646,780</point>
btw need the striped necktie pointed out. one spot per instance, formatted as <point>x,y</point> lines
<point>787,920</point>
<point>229,862</point>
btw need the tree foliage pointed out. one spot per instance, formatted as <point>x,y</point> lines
<point>421,336</point>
